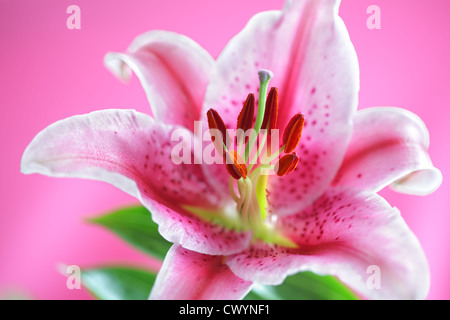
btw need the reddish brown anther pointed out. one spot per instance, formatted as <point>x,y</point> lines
<point>245,118</point>
<point>215,122</point>
<point>236,166</point>
<point>271,111</point>
<point>293,132</point>
<point>286,164</point>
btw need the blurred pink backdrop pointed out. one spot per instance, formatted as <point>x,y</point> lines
<point>50,72</point>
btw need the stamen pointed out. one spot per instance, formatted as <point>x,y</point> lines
<point>247,202</point>
<point>215,122</point>
<point>286,164</point>
<point>236,166</point>
<point>250,195</point>
<point>293,132</point>
<point>294,164</point>
<point>271,112</point>
<point>232,191</point>
<point>245,118</point>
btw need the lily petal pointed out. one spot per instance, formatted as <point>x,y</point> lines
<point>132,151</point>
<point>188,275</point>
<point>389,146</point>
<point>173,70</point>
<point>315,67</point>
<point>347,235</point>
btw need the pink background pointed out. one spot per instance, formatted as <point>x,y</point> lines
<point>50,73</point>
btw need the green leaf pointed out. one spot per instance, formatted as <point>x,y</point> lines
<point>135,225</point>
<point>118,283</point>
<point>304,286</point>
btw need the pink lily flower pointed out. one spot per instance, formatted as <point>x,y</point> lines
<point>325,216</point>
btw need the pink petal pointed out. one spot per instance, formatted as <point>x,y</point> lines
<point>132,151</point>
<point>193,233</point>
<point>188,275</point>
<point>344,234</point>
<point>389,147</point>
<point>308,49</point>
<point>173,70</point>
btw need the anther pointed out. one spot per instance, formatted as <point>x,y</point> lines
<point>286,164</point>
<point>293,132</point>
<point>271,111</point>
<point>235,165</point>
<point>215,122</point>
<point>245,118</point>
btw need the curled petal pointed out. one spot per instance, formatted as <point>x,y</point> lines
<point>389,146</point>
<point>173,70</point>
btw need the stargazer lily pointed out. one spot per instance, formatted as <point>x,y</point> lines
<point>233,224</point>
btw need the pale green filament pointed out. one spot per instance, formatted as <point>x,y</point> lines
<point>231,190</point>
<point>258,152</point>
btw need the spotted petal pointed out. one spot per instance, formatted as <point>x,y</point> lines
<point>308,49</point>
<point>349,235</point>
<point>133,152</point>
<point>389,146</point>
<point>173,70</point>
<point>188,275</point>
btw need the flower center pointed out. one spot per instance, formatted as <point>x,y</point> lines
<point>253,153</point>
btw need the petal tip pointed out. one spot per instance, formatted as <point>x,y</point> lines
<point>420,183</point>
<point>114,62</point>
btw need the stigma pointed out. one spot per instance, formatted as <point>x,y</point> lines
<point>255,153</point>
